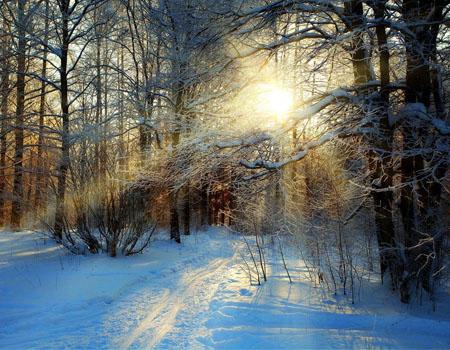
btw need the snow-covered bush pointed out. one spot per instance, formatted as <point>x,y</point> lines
<point>115,223</point>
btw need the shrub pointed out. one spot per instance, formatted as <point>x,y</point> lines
<point>117,223</point>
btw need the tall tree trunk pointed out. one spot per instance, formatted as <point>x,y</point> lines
<point>379,159</point>
<point>173,201</point>
<point>103,151</point>
<point>179,101</point>
<point>434,222</point>
<point>98,109</point>
<point>122,150</point>
<point>65,145</point>
<point>40,184</point>
<point>417,91</point>
<point>5,91</point>
<point>17,200</point>
<point>381,164</point>
<point>421,173</point>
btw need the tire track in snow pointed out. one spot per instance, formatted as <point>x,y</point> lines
<point>162,317</point>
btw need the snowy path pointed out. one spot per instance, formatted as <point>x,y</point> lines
<point>191,294</point>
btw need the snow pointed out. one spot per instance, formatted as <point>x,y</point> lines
<point>410,111</point>
<point>193,295</point>
<point>415,112</point>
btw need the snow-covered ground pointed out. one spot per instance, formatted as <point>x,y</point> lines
<point>193,295</point>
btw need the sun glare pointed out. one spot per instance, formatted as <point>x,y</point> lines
<point>277,101</point>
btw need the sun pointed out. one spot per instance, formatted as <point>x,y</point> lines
<point>265,105</point>
<point>276,101</point>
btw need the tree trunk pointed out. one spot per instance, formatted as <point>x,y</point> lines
<point>122,158</point>
<point>65,145</point>
<point>420,196</point>
<point>174,223</point>
<point>354,13</point>
<point>40,184</point>
<point>103,136</point>
<point>5,91</point>
<point>187,212</point>
<point>381,164</point>
<point>98,109</point>
<point>379,160</point>
<point>204,206</point>
<point>17,200</point>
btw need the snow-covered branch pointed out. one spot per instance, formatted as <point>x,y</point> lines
<point>269,165</point>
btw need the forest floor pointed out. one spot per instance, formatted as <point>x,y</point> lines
<point>192,295</point>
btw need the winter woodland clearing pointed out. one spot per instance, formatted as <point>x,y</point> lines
<point>193,295</point>
<point>224,173</point>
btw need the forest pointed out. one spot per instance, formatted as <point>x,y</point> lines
<point>320,126</point>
